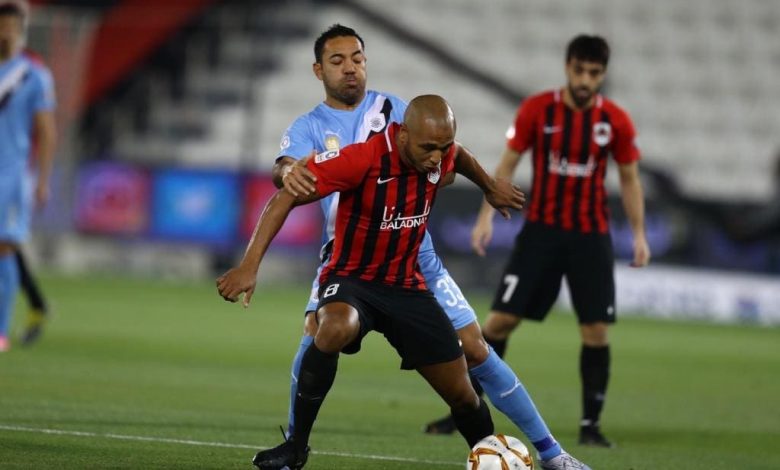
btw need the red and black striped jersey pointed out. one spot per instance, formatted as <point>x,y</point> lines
<point>569,150</point>
<point>383,209</point>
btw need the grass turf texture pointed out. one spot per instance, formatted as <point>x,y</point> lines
<point>127,359</point>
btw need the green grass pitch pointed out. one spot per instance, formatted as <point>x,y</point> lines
<point>148,374</point>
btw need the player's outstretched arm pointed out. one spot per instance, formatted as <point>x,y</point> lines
<point>293,175</point>
<point>243,278</point>
<point>499,193</point>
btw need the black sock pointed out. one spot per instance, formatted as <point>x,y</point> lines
<point>476,385</point>
<point>474,423</point>
<point>498,345</point>
<point>594,371</point>
<point>28,284</point>
<point>318,370</point>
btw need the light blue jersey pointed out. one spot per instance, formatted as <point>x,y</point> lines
<point>26,88</point>
<point>325,128</point>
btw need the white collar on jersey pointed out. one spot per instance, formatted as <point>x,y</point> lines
<point>13,78</point>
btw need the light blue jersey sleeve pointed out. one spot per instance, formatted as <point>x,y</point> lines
<point>298,140</point>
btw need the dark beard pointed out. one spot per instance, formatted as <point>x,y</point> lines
<point>348,96</point>
<point>352,97</point>
<point>580,102</point>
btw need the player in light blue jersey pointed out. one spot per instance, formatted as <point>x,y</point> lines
<point>26,121</point>
<point>327,128</point>
<point>350,114</point>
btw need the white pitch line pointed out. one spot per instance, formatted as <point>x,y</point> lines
<point>166,440</point>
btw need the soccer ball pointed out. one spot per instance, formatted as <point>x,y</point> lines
<point>500,452</point>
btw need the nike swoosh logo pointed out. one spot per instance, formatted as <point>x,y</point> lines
<point>509,392</point>
<point>381,181</point>
<point>551,129</point>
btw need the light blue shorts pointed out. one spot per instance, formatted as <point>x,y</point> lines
<point>437,278</point>
<point>15,207</point>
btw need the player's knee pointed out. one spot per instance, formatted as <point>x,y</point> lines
<point>594,334</point>
<point>334,338</point>
<point>6,248</point>
<point>337,329</point>
<point>499,326</point>
<point>310,325</point>
<point>476,351</point>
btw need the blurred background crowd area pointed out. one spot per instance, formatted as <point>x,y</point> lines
<point>171,112</point>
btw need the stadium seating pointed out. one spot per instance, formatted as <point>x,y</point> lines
<point>698,77</point>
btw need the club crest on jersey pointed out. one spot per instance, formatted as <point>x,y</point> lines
<point>325,156</point>
<point>377,123</point>
<point>332,142</point>
<point>602,133</point>
<point>433,176</point>
<point>285,142</point>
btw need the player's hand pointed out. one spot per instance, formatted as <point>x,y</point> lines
<point>482,234</point>
<point>297,179</point>
<point>505,196</point>
<point>235,282</point>
<point>641,253</point>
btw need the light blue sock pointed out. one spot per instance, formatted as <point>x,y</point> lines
<point>507,393</point>
<point>296,369</point>
<point>9,285</point>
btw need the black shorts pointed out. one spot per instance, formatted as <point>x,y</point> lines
<point>542,256</point>
<point>412,321</point>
